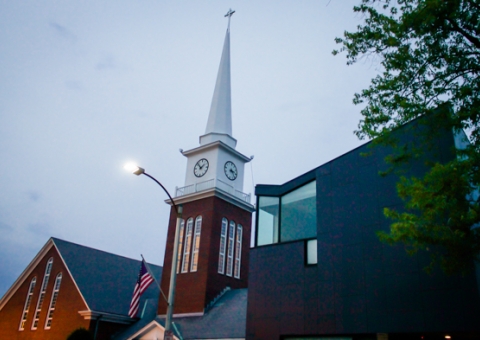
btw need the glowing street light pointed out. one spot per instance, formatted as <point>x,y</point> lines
<point>135,169</point>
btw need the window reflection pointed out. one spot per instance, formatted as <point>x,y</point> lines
<point>268,212</point>
<point>299,213</point>
<point>290,217</point>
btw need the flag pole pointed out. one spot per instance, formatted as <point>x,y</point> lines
<point>153,276</point>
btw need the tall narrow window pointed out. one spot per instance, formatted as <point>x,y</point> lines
<point>28,300</point>
<point>180,244</point>
<point>268,220</point>
<point>238,252</point>
<point>43,291</point>
<point>196,243</point>
<point>223,246</point>
<point>53,301</point>
<point>187,246</point>
<point>231,244</point>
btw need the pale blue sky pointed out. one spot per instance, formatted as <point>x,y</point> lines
<point>87,85</point>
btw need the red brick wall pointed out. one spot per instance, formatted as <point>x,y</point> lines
<point>195,290</point>
<point>217,282</point>
<point>65,318</point>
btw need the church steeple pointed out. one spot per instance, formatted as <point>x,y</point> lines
<point>215,235</point>
<point>219,125</point>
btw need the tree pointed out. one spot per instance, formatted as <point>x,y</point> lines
<point>80,334</point>
<point>429,51</point>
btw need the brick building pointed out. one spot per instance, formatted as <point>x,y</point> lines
<point>68,286</point>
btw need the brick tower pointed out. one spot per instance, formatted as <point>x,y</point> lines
<point>215,232</point>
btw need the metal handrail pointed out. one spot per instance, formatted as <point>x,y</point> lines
<point>210,184</point>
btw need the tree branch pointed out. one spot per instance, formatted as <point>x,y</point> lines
<point>467,35</point>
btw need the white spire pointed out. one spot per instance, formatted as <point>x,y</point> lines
<point>219,125</point>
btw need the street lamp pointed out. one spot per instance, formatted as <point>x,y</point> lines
<point>173,276</point>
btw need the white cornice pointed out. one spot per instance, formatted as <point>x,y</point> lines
<point>215,144</point>
<point>148,328</point>
<point>213,192</point>
<point>155,324</point>
<point>93,315</point>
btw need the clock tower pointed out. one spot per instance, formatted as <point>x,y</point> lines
<point>214,234</point>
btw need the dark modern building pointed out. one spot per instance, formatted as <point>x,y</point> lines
<point>319,271</point>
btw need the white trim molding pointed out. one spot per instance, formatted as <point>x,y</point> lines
<point>116,318</point>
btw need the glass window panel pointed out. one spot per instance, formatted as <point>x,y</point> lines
<point>42,293</point>
<point>28,300</point>
<point>238,252</point>
<point>267,228</point>
<point>180,244</point>
<point>223,245</point>
<point>196,244</point>
<point>53,301</point>
<point>231,245</point>
<point>188,245</point>
<point>299,213</point>
<point>312,252</point>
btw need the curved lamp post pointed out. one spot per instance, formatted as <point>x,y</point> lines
<point>173,276</point>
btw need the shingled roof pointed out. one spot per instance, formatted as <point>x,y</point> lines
<point>226,319</point>
<point>105,280</point>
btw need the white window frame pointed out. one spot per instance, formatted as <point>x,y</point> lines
<point>53,301</point>
<point>231,246</point>
<point>238,252</point>
<point>43,291</point>
<point>196,244</point>
<point>187,245</point>
<point>28,301</point>
<point>223,246</point>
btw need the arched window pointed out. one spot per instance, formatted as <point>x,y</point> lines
<point>53,301</point>
<point>43,291</point>
<point>28,300</point>
<point>231,245</point>
<point>238,252</point>
<point>196,243</point>
<point>180,244</point>
<point>223,246</point>
<point>187,246</point>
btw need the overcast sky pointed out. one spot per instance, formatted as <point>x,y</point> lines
<point>86,86</point>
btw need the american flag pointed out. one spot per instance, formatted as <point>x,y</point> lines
<point>144,280</point>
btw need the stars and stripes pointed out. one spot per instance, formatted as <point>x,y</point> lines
<point>144,280</point>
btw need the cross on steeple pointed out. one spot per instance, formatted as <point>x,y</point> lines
<point>229,15</point>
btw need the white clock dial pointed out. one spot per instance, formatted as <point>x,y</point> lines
<point>200,167</point>
<point>230,171</point>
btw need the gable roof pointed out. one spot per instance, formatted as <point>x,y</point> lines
<point>226,319</point>
<point>105,280</point>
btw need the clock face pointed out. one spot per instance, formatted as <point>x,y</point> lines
<point>230,171</point>
<point>200,168</point>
